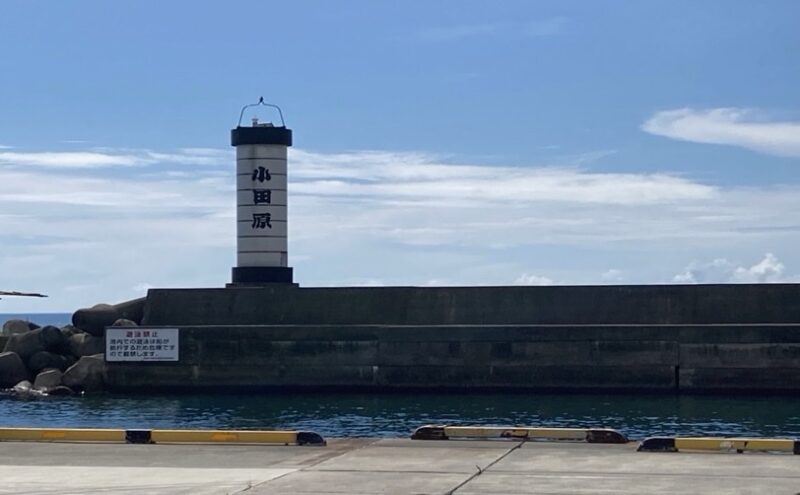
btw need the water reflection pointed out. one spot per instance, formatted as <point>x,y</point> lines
<point>397,415</point>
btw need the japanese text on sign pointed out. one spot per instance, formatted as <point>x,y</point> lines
<point>141,344</point>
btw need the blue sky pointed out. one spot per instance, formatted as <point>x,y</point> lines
<point>438,143</point>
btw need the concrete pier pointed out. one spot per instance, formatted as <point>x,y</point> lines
<point>388,466</point>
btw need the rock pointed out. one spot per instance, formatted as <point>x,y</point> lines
<point>22,387</point>
<point>132,310</point>
<point>44,359</point>
<point>12,369</point>
<point>84,344</point>
<point>94,320</point>
<point>70,330</point>
<point>48,380</point>
<point>15,327</point>
<point>47,338</point>
<point>25,389</point>
<point>124,322</point>
<point>60,390</point>
<point>87,374</point>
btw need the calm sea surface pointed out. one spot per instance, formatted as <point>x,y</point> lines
<point>396,415</point>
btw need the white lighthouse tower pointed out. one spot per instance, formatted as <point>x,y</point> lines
<point>261,202</point>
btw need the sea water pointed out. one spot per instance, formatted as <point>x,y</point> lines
<point>398,414</point>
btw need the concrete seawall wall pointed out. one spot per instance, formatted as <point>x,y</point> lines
<point>666,358</point>
<point>733,338</point>
<point>588,305</point>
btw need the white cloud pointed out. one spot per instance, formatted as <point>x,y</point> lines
<point>419,177</point>
<point>142,288</point>
<point>538,27</point>
<point>768,270</point>
<point>110,157</point>
<point>371,218</point>
<point>532,279</point>
<point>69,159</point>
<point>740,127</point>
<point>612,275</point>
<point>194,156</point>
<point>452,33</point>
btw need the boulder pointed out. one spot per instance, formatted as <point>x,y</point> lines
<point>25,389</point>
<point>94,320</point>
<point>15,327</point>
<point>48,380</point>
<point>132,310</point>
<point>47,338</point>
<point>70,330</point>
<point>22,387</point>
<point>12,369</point>
<point>44,359</point>
<point>124,322</point>
<point>84,344</point>
<point>87,374</point>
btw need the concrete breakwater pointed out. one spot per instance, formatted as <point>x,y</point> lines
<point>721,338</point>
<point>698,338</point>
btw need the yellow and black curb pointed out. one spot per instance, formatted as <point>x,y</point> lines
<point>161,436</point>
<point>719,444</point>
<point>591,435</point>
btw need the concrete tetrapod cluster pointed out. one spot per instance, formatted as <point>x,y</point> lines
<point>47,360</point>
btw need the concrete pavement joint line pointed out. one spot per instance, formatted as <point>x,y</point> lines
<point>305,468</point>
<point>413,471</point>
<point>481,471</point>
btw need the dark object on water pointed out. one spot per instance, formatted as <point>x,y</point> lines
<point>23,294</point>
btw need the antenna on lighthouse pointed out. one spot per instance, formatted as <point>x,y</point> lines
<point>261,201</point>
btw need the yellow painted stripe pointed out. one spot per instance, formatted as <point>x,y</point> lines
<point>753,444</point>
<point>62,434</point>
<point>515,432</point>
<point>223,436</point>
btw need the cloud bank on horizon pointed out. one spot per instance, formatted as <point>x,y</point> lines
<point>105,224</point>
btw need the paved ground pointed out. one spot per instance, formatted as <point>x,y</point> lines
<point>361,466</point>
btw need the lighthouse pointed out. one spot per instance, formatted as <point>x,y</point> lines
<point>261,201</point>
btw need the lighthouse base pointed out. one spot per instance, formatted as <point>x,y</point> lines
<point>256,275</point>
